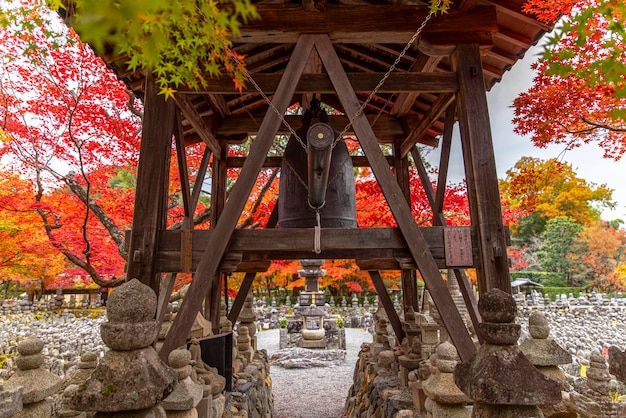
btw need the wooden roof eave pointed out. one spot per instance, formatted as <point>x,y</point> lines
<point>362,24</point>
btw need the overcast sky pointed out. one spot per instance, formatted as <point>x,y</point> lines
<point>509,147</point>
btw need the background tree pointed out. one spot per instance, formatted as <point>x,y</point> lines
<point>597,253</point>
<point>68,127</point>
<point>556,250</point>
<point>544,189</point>
<point>579,93</point>
<point>25,252</point>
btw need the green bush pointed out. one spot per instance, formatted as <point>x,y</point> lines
<point>283,322</point>
<point>552,292</point>
<point>339,321</point>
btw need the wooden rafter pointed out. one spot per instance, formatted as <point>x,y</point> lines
<point>397,82</point>
<point>405,101</point>
<point>187,108</point>
<point>436,110</point>
<point>363,24</point>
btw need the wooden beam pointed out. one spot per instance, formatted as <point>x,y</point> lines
<point>183,172</point>
<point>398,205</point>
<point>297,243</point>
<point>397,82</point>
<point>244,289</point>
<point>405,101</point>
<point>438,107</point>
<point>363,24</point>
<point>274,162</point>
<point>381,291</point>
<point>388,128</point>
<point>194,119</point>
<point>480,169</point>
<point>444,160</point>
<point>438,219</point>
<point>152,186</point>
<point>205,273</point>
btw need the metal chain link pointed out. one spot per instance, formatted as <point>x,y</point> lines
<point>389,71</point>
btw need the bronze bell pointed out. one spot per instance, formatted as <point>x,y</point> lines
<point>318,178</point>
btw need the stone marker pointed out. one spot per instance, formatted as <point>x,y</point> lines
<point>36,383</point>
<point>499,378</point>
<point>10,401</point>
<point>130,379</point>
<point>543,352</point>
<point>447,400</point>
<point>181,403</point>
<point>617,363</point>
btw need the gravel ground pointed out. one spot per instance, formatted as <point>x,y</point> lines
<point>318,392</point>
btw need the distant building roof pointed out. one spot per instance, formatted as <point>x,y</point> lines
<point>524,282</point>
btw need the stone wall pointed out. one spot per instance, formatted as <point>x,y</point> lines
<point>252,390</point>
<point>376,391</point>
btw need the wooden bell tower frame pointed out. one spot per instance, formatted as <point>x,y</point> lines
<point>448,69</point>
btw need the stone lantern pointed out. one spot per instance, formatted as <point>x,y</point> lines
<point>313,328</point>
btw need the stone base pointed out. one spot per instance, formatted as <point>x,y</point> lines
<point>312,343</point>
<point>419,397</point>
<point>452,411</point>
<point>10,401</point>
<point>204,408</point>
<point>217,406</point>
<point>252,391</point>
<point>376,348</point>
<point>190,413</point>
<point>154,412</point>
<point>41,409</point>
<point>506,411</point>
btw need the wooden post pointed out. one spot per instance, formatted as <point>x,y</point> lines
<point>244,289</point>
<point>409,287</point>
<point>394,320</point>
<point>480,169</point>
<point>218,200</point>
<point>152,186</point>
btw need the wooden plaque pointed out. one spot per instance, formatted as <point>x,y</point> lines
<point>458,245</point>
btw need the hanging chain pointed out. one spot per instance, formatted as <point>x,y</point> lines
<point>267,99</point>
<point>393,66</point>
<point>417,33</point>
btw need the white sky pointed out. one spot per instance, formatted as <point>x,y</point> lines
<point>509,147</point>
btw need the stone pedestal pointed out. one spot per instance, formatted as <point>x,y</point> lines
<point>10,401</point>
<point>36,383</point>
<point>499,378</point>
<point>181,403</point>
<point>130,376</point>
<point>447,399</point>
<point>543,352</point>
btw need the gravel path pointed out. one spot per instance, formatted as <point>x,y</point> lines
<point>319,392</point>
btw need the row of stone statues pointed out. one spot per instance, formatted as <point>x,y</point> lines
<point>423,375</point>
<point>130,378</point>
